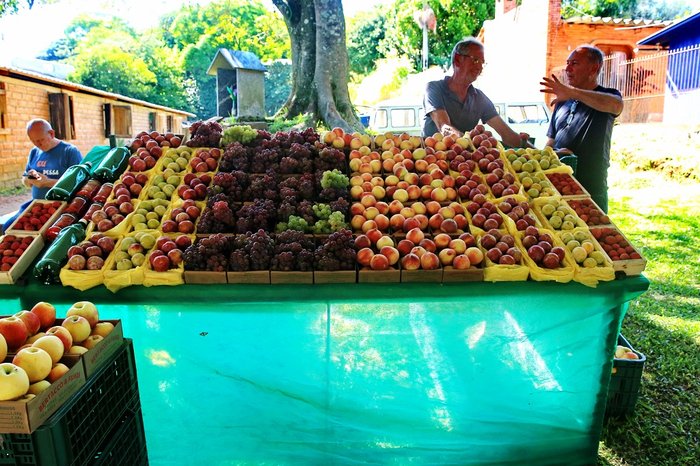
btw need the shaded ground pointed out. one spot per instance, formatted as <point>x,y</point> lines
<point>10,203</point>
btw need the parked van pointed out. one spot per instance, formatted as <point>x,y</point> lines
<point>396,117</point>
<point>526,117</point>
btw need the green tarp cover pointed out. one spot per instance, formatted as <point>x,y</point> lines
<point>477,373</point>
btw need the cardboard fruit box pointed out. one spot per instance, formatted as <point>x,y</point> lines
<point>103,351</point>
<point>52,209</point>
<point>24,416</point>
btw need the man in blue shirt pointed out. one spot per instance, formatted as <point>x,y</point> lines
<point>47,161</point>
<point>453,106</point>
<point>583,118</point>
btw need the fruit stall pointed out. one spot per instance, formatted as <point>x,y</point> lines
<point>327,298</point>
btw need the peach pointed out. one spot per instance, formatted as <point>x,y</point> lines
<point>391,253</point>
<point>405,246</point>
<point>362,241</point>
<point>429,261</point>
<point>415,235</point>
<point>379,262</point>
<point>410,262</point>
<point>364,256</point>
<point>374,234</point>
<point>446,256</point>
<point>474,255</point>
<point>458,245</point>
<point>461,262</point>
<point>442,240</point>
<point>384,241</point>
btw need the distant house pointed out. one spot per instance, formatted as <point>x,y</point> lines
<point>81,115</point>
<point>526,42</point>
<point>680,53</point>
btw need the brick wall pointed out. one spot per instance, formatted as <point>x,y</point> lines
<point>26,100</point>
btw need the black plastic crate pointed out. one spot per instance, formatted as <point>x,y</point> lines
<point>625,383</point>
<point>125,445</point>
<point>71,436</point>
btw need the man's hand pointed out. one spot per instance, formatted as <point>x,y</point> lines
<point>449,130</point>
<point>563,151</point>
<point>562,92</point>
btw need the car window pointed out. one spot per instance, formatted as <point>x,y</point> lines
<point>403,117</point>
<point>527,113</point>
<point>380,119</point>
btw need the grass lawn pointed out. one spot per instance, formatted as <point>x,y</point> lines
<point>661,216</point>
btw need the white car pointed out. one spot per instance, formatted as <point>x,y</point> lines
<point>526,117</point>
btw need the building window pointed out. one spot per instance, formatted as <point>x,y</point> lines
<point>151,121</point>
<point>117,119</point>
<point>3,106</point>
<point>169,123</point>
<point>61,115</point>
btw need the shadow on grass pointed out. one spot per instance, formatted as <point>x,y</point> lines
<point>665,428</point>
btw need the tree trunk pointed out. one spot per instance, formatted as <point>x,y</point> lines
<point>319,62</point>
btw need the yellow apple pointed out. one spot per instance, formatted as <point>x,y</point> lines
<point>85,309</point>
<point>52,345</point>
<point>57,371</point>
<point>38,387</point>
<point>14,381</point>
<point>103,329</point>
<point>35,361</point>
<point>78,326</point>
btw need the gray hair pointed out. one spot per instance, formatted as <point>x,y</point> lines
<point>462,46</point>
<point>39,122</point>
<point>593,53</point>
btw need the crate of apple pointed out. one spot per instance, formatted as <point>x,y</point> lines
<point>168,251</point>
<point>566,184</point>
<point>182,218</point>
<point>624,256</point>
<point>90,254</point>
<point>588,211</point>
<point>144,158</point>
<point>37,217</point>
<point>114,212</point>
<point>519,212</point>
<point>16,254</point>
<point>205,160</point>
<point>134,182</point>
<point>485,216</point>
<point>194,186</point>
<point>143,138</point>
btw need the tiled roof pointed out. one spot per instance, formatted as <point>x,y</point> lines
<point>617,21</point>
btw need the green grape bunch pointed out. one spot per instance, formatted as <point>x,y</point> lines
<point>238,133</point>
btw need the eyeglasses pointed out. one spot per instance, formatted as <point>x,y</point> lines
<point>572,110</point>
<point>475,60</point>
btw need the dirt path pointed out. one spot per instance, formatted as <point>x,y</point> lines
<point>11,203</point>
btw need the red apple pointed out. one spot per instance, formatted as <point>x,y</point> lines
<point>46,313</point>
<point>63,334</point>
<point>31,321</point>
<point>14,331</point>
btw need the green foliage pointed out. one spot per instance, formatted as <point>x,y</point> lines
<point>300,122</point>
<point>278,85</point>
<point>635,9</point>
<point>10,7</point>
<point>456,19</point>
<point>365,38</point>
<point>199,32</point>
<point>659,216</point>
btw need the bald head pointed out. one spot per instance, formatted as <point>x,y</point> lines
<point>42,134</point>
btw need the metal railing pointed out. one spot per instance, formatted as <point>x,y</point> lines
<point>646,80</point>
